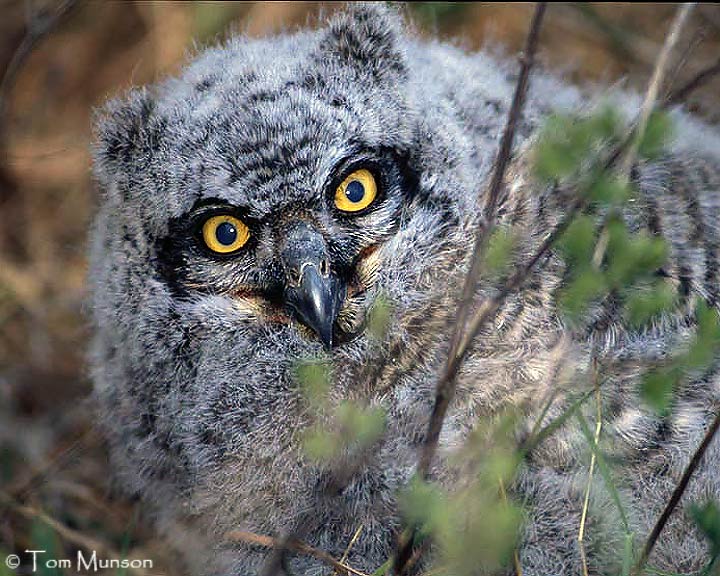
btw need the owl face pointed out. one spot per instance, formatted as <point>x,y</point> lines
<point>308,258</point>
<point>273,172</point>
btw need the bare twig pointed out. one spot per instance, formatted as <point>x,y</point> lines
<point>586,503</point>
<point>292,544</point>
<point>353,540</point>
<point>66,533</point>
<point>681,16</point>
<point>677,494</point>
<point>22,486</point>
<point>444,390</point>
<point>417,554</point>
<point>699,36</point>
<point>637,133</point>
<point>445,387</point>
<point>490,306</point>
<point>341,473</point>
<point>38,26</point>
<point>462,338</point>
<point>701,78</point>
<point>601,247</point>
<point>485,224</point>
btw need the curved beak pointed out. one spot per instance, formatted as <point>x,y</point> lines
<point>316,301</point>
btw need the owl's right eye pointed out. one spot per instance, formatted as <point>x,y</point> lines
<point>225,234</point>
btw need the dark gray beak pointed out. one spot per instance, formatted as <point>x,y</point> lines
<point>312,291</point>
<point>316,302</point>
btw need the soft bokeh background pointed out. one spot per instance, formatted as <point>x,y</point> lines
<point>59,59</point>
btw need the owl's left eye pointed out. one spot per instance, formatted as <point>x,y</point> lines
<point>356,192</point>
<point>225,234</point>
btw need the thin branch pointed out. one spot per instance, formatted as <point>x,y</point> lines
<point>648,105</point>
<point>487,310</point>
<point>353,540</point>
<point>701,78</point>
<point>489,307</point>
<point>677,494</point>
<point>681,16</point>
<point>527,59</point>
<point>292,544</point>
<point>531,442</point>
<point>699,36</point>
<point>444,388</point>
<point>66,533</point>
<point>38,26</point>
<point>341,473</point>
<point>19,488</point>
<point>588,488</point>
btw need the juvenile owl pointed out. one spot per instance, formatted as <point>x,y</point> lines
<point>252,212</point>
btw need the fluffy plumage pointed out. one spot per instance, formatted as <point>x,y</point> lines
<point>193,360</point>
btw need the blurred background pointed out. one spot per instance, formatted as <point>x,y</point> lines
<point>59,59</point>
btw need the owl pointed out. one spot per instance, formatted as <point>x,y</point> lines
<point>256,208</point>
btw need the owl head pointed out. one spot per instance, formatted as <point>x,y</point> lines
<point>252,211</point>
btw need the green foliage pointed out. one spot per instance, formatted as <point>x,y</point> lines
<point>604,471</point>
<point>657,132</point>
<point>657,388</point>
<point>644,305</point>
<point>540,434</point>
<point>211,18</point>
<point>437,13</point>
<point>628,553</point>
<point>350,425</point>
<point>320,445</point>
<point>385,569</point>
<point>632,256</point>
<point>707,338</point>
<point>482,535</point>
<point>608,189</point>
<point>604,257</point>
<point>314,379</point>
<point>360,425</point>
<point>379,318</point>
<point>580,291</point>
<point>498,252</point>
<point>476,528</point>
<point>576,150</point>
<point>659,384</point>
<point>486,522</point>
<point>628,258</point>
<point>578,242</point>
<point>424,507</point>
<point>568,144</point>
<point>707,519</point>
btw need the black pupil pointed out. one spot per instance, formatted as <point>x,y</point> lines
<point>355,191</point>
<point>226,234</point>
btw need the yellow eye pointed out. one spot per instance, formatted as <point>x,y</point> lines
<point>225,234</point>
<point>356,192</point>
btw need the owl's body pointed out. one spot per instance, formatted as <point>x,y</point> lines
<point>195,354</point>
